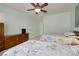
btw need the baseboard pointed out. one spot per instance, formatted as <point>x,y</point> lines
<point>37,36</point>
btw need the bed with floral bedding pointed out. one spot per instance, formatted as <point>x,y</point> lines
<point>47,46</point>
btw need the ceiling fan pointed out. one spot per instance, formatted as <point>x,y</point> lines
<point>38,7</point>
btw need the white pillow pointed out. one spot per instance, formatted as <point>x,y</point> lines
<point>69,41</point>
<point>69,34</point>
<point>75,42</point>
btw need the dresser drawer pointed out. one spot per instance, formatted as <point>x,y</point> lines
<point>13,40</point>
<point>22,38</point>
<point>2,47</point>
<point>10,41</point>
<point>11,44</point>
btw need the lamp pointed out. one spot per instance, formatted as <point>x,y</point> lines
<point>78,37</point>
<point>37,10</point>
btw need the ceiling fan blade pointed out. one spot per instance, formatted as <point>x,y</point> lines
<point>30,9</point>
<point>33,4</point>
<point>37,5</point>
<point>45,4</point>
<point>44,11</point>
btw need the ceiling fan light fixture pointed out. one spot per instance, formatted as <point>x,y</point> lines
<point>37,10</point>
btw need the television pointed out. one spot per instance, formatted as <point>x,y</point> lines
<point>23,30</point>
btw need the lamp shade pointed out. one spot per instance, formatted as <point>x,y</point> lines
<point>37,10</point>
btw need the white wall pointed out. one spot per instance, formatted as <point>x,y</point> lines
<point>58,23</point>
<point>15,20</point>
<point>73,19</point>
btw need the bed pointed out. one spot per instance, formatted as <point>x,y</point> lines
<point>48,45</point>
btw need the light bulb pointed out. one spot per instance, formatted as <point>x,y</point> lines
<point>78,37</point>
<point>37,10</point>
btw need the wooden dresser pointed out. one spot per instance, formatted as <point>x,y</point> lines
<point>9,41</point>
<point>13,40</point>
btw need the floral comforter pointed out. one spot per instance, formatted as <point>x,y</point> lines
<point>40,48</point>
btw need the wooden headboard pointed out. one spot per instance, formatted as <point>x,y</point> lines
<point>12,40</point>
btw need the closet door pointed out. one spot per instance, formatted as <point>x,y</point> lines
<point>1,36</point>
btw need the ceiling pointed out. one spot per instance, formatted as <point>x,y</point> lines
<point>52,8</point>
